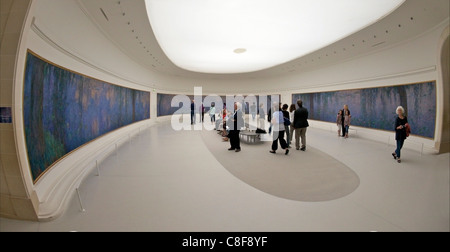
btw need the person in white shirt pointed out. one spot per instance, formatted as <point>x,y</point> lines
<point>212,113</point>
<point>278,129</point>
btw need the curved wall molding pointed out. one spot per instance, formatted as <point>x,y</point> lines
<point>57,187</point>
<point>341,85</point>
<point>57,46</point>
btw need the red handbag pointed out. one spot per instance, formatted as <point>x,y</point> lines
<point>408,129</point>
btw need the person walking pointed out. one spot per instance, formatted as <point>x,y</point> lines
<point>300,125</point>
<point>278,130</point>
<point>401,123</point>
<point>269,115</point>
<point>235,123</point>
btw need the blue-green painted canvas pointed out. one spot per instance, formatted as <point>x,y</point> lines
<point>375,107</point>
<point>64,110</point>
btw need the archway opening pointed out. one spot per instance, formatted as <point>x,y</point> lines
<point>445,136</point>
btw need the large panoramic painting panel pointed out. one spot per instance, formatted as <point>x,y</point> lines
<point>64,110</point>
<point>375,107</point>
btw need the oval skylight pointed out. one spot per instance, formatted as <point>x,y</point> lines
<point>238,36</point>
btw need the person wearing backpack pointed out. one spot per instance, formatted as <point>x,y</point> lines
<point>401,124</point>
<point>278,129</point>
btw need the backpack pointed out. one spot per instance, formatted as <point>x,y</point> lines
<point>408,129</point>
<point>287,122</point>
<point>260,131</point>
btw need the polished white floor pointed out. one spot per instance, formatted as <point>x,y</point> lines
<point>166,180</point>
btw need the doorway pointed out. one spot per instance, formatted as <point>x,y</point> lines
<point>445,136</point>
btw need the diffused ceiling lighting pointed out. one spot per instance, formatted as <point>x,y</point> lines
<point>240,50</point>
<point>238,36</point>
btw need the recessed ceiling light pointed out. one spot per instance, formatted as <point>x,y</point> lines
<point>197,35</point>
<point>240,50</point>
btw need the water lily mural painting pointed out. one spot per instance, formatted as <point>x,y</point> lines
<point>375,107</point>
<point>63,110</point>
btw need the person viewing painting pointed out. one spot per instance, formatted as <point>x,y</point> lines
<point>339,122</point>
<point>344,132</point>
<point>347,117</point>
<point>300,125</point>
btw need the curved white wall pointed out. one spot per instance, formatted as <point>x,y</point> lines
<point>76,45</point>
<point>64,35</point>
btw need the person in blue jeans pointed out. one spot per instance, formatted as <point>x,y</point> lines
<point>400,132</point>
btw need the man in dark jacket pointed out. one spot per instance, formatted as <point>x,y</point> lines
<point>235,123</point>
<point>192,112</point>
<point>300,125</point>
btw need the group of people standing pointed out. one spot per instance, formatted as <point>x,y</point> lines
<point>343,121</point>
<point>289,120</point>
<point>201,111</point>
<point>281,122</point>
<point>402,128</point>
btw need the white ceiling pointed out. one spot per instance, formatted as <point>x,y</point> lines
<point>125,22</point>
<point>236,36</point>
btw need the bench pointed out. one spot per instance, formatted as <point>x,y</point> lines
<point>250,137</point>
